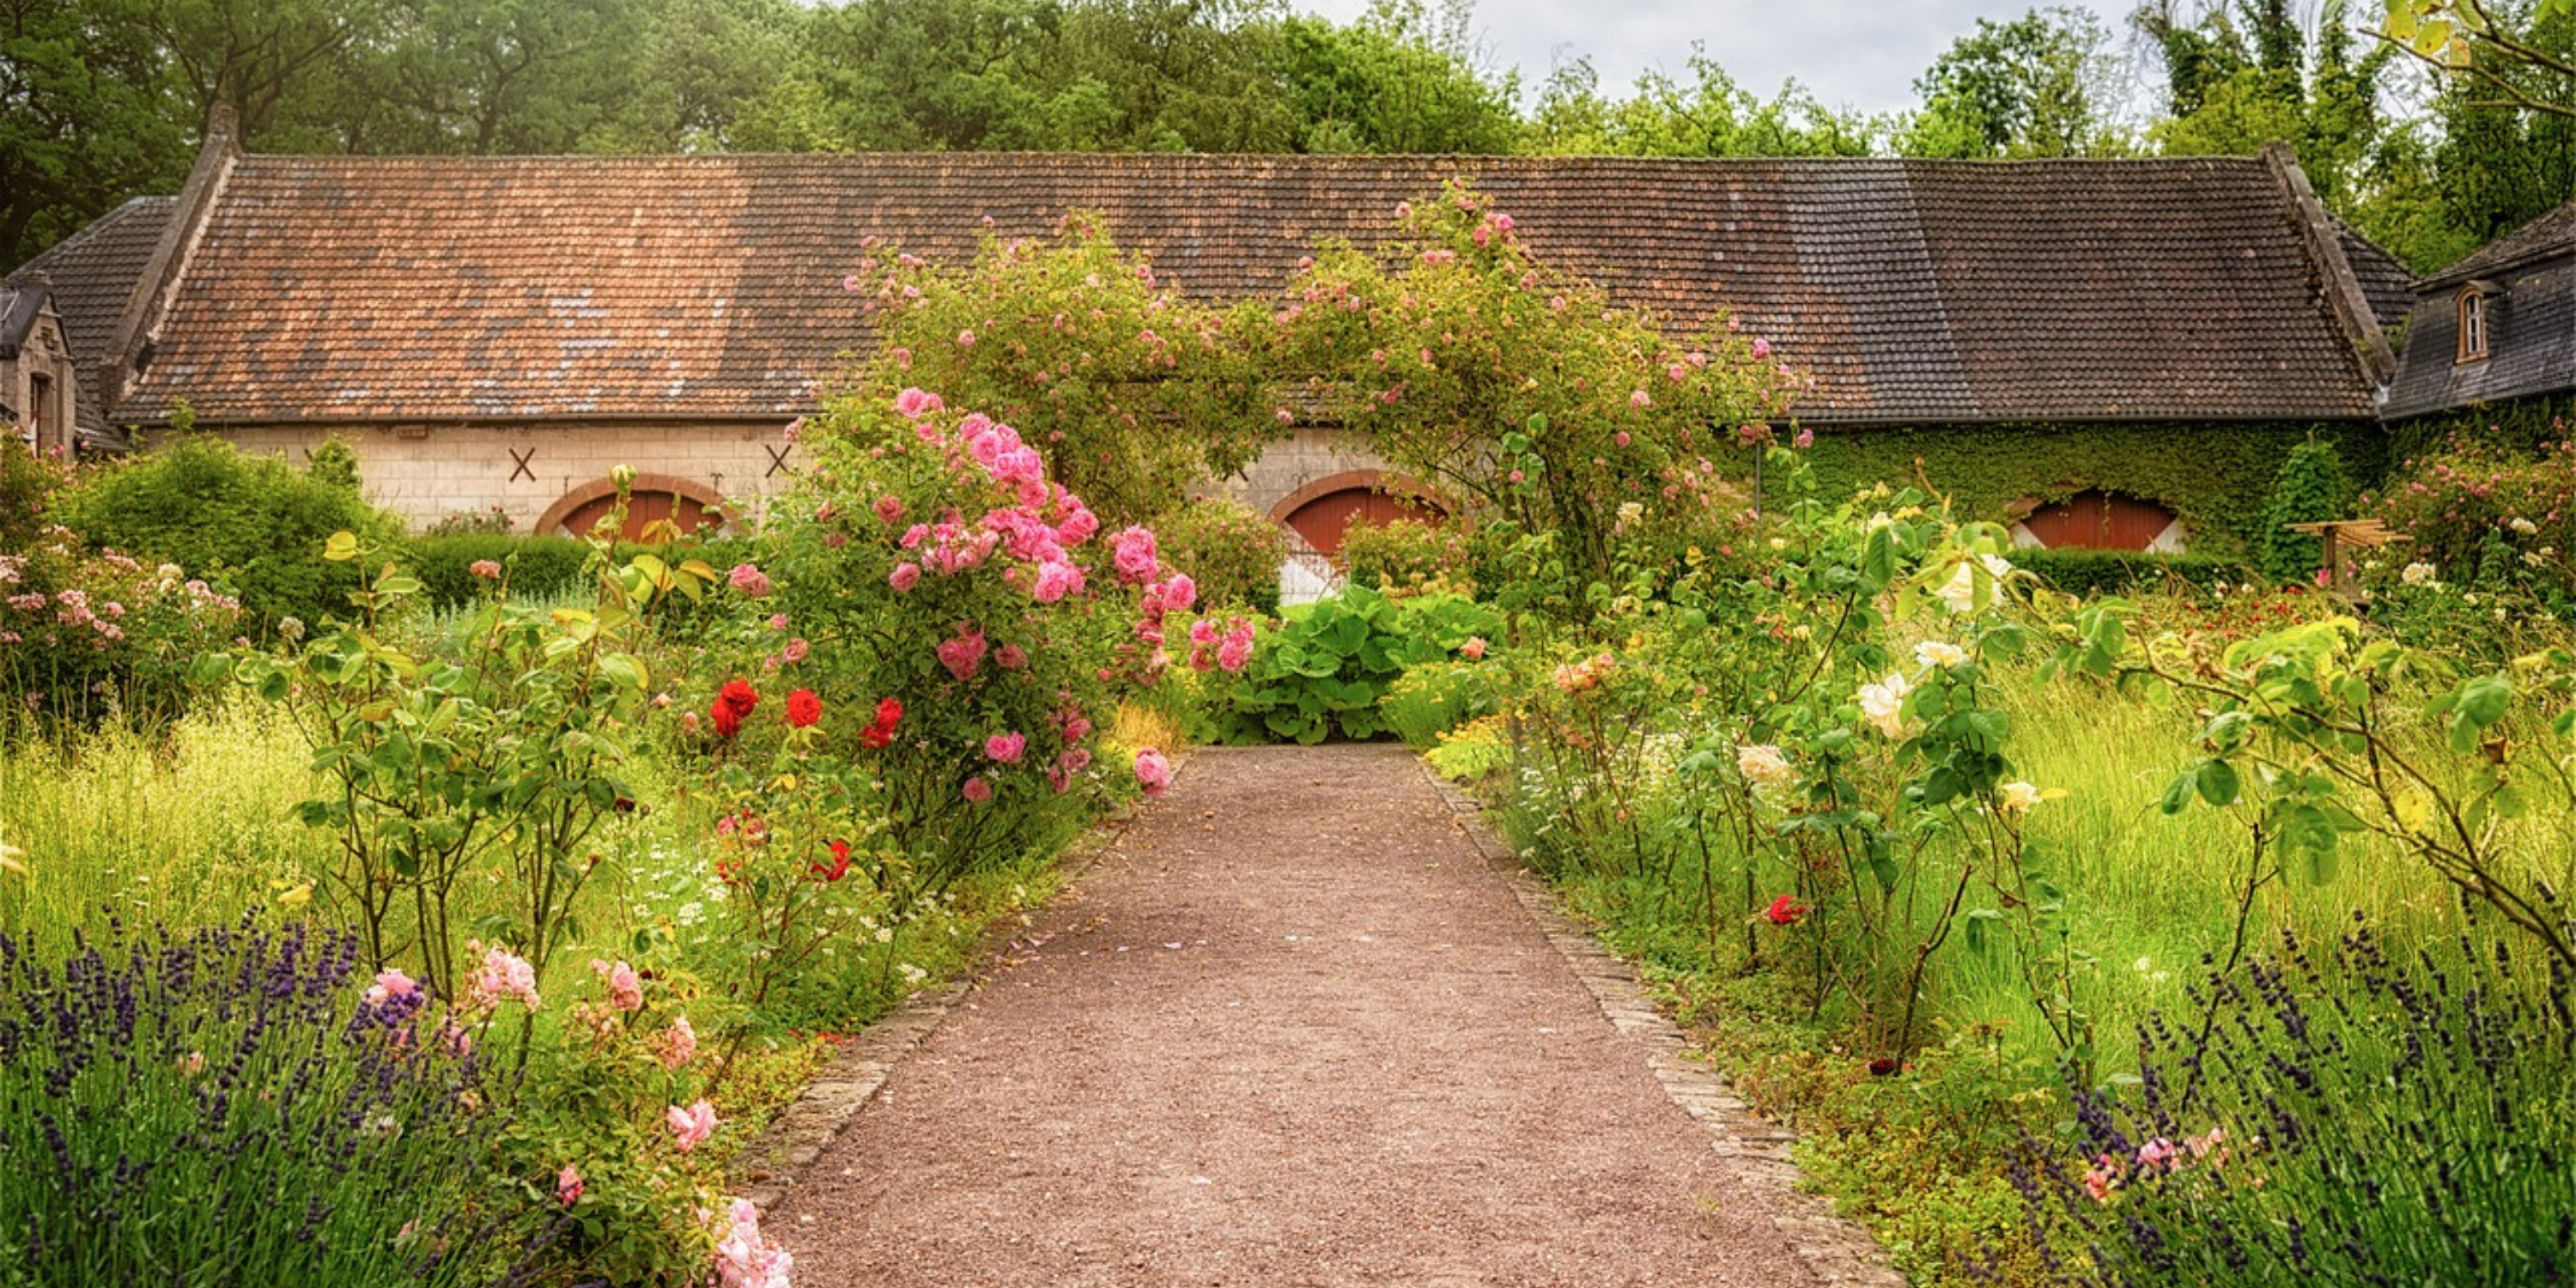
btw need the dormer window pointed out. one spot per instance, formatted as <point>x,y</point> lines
<point>2473,323</point>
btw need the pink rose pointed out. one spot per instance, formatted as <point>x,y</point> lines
<point>905,576</point>
<point>1006,747</point>
<point>1153,772</point>
<point>568,1185</point>
<point>678,1044</point>
<point>749,580</point>
<point>1055,581</point>
<point>963,655</point>
<point>1011,657</point>
<point>485,568</point>
<point>625,987</point>
<point>978,791</point>
<point>890,510</point>
<point>691,1125</point>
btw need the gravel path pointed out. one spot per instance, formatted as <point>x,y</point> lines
<point>1293,1030</point>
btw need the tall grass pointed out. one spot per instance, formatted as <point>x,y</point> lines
<point>184,826</point>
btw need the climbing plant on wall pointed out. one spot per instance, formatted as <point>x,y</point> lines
<point>2215,478</point>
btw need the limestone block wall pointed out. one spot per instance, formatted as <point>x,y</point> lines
<point>1297,464</point>
<point>427,473</point>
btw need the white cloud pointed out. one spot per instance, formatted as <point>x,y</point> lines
<point>1848,53</point>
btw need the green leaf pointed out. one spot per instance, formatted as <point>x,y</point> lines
<point>2178,794</point>
<point>2218,782</point>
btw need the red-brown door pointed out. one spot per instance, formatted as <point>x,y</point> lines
<point>1327,519</point>
<point>2099,521</point>
<point>643,509</point>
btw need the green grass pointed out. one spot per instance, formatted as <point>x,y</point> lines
<point>1921,1155</point>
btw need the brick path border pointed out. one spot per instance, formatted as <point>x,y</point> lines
<point>1835,1249</point>
<point>776,1159</point>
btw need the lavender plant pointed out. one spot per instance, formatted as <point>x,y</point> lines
<point>2365,1115</point>
<point>223,1108</point>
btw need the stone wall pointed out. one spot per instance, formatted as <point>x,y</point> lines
<point>425,474</point>
<point>1297,464</point>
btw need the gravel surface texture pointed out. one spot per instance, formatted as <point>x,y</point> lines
<point>1292,1030</point>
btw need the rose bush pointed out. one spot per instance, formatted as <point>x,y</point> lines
<point>929,557</point>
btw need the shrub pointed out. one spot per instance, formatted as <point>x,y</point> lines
<point>1406,555</point>
<point>1323,670</point>
<point>2459,507</point>
<point>2085,573</point>
<point>249,524</point>
<point>1232,552</point>
<point>930,561</point>
<point>224,1103</point>
<point>2368,1116</point>
<point>1428,701</point>
<point>1134,392</point>
<point>28,483</point>
<point>538,567</point>
<point>82,634</point>
<point>2310,488</point>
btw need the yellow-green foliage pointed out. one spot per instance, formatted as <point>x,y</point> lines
<point>185,828</point>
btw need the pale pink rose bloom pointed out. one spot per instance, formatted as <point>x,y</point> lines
<point>691,1125</point>
<point>486,569</point>
<point>1474,648</point>
<point>390,984</point>
<point>505,975</point>
<point>978,791</point>
<point>625,987</point>
<point>749,580</point>
<point>568,1185</point>
<point>678,1044</point>
<point>746,1259</point>
<point>905,576</point>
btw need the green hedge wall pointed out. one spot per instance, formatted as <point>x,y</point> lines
<point>2215,477</point>
<point>2085,573</point>
<point>538,566</point>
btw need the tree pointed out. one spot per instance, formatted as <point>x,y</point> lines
<point>1710,117</point>
<point>2516,55</point>
<point>2243,78</point>
<point>89,116</point>
<point>1391,82</point>
<point>2020,89</point>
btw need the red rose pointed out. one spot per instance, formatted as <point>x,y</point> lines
<point>880,735</point>
<point>728,720</point>
<point>839,867</point>
<point>803,708</point>
<point>739,695</point>
<point>1785,911</point>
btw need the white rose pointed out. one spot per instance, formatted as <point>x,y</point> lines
<point>1960,592</point>
<point>1937,653</point>
<point>1764,766</point>
<point>2418,573</point>
<point>2525,526</point>
<point>1883,704</point>
<point>2018,797</point>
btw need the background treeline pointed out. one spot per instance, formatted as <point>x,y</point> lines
<point>101,100</point>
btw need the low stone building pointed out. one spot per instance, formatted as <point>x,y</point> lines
<point>39,385</point>
<point>497,333</point>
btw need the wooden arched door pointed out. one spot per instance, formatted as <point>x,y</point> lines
<point>643,509</point>
<point>1326,520</point>
<point>2099,520</point>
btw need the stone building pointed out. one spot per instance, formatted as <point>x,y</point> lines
<point>39,385</point>
<point>497,333</point>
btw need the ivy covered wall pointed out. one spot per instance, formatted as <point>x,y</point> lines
<point>2523,424</point>
<point>2216,478</point>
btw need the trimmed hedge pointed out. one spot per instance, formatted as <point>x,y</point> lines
<point>2085,573</point>
<point>537,566</point>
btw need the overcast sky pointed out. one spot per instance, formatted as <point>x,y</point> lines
<point>1852,53</point>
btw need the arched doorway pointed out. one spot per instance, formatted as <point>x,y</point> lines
<point>690,505</point>
<point>2099,520</point>
<point>1322,513</point>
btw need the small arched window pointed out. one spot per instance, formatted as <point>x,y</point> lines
<point>2473,323</point>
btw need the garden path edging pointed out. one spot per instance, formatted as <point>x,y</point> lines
<point>1834,1248</point>
<point>777,1159</point>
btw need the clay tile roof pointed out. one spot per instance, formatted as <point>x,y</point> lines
<point>2383,278</point>
<point>709,287</point>
<point>90,274</point>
